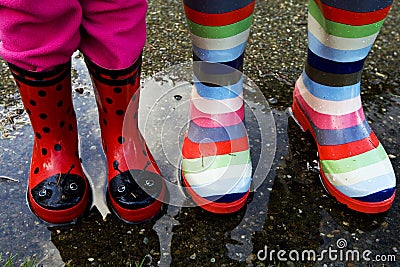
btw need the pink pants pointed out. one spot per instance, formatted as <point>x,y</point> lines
<point>38,35</point>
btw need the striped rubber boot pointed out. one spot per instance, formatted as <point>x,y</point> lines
<point>216,167</point>
<point>58,191</point>
<point>135,186</point>
<point>355,168</point>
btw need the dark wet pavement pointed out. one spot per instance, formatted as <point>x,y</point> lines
<point>290,210</point>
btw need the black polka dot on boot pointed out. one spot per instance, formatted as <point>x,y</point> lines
<point>57,147</point>
<point>28,111</point>
<point>46,129</point>
<point>36,171</point>
<point>109,100</point>
<point>117,90</point>
<point>32,102</point>
<point>44,151</point>
<point>43,116</point>
<point>105,110</point>
<point>42,93</point>
<point>121,140</point>
<point>60,103</point>
<point>115,164</point>
<point>119,112</point>
<point>70,127</point>
<point>62,123</point>
<point>104,121</point>
<point>38,135</point>
<point>59,87</point>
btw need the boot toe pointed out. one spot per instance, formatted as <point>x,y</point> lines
<point>56,193</point>
<point>374,195</point>
<point>135,193</point>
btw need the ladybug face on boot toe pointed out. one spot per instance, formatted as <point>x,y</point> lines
<point>60,191</point>
<point>138,192</point>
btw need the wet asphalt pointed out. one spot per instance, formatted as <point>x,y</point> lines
<point>291,211</point>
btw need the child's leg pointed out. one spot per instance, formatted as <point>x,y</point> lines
<point>113,37</point>
<point>39,35</point>
<point>38,38</point>
<point>216,160</point>
<point>113,32</point>
<point>326,100</point>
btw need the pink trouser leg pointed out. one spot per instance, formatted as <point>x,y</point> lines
<point>39,35</point>
<point>113,32</point>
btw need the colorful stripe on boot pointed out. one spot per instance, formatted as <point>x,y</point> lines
<point>216,163</point>
<point>355,168</point>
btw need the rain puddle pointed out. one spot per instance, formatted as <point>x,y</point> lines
<point>288,210</point>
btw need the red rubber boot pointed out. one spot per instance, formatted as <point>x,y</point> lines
<point>58,191</point>
<point>135,185</point>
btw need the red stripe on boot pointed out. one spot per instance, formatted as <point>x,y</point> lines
<point>351,18</point>
<point>219,19</point>
<point>348,150</point>
<point>195,150</point>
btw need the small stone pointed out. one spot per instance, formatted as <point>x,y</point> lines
<point>178,97</point>
<point>90,259</point>
<point>391,156</point>
<point>193,256</point>
<point>145,240</point>
<point>346,223</point>
<point>212,260</point>
<point>251,258</point>
<point>272,100</point>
